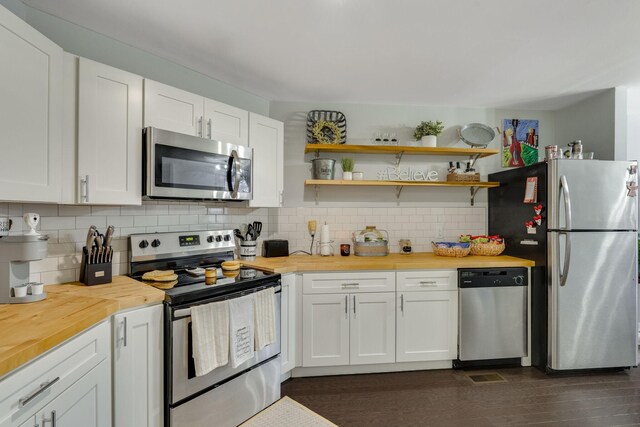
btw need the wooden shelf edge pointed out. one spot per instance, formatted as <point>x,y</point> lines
<point>375,183</point>
<point>396,149</point>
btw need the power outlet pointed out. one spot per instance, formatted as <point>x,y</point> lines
<point>439,231</point>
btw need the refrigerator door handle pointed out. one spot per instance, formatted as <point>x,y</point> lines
<point>564,189</point>
<point>567,256</point>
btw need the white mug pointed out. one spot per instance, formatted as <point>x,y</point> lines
<point>5,226</point>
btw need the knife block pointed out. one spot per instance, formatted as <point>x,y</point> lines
<point>94,274</point>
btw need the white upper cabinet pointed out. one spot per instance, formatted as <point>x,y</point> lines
<point>266,137</point>
<point>30,113</point>
<point>225,123</point>
<point>109,135</point>
<point>173,109</point>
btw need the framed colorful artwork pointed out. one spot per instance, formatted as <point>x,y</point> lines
<point>519,142</point>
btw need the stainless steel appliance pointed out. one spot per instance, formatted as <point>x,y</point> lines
<point>584,284</point>
<point>493,315</point>
<point>225,396</point>
<point>178,166</point>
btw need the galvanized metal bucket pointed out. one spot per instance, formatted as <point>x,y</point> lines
<point>323,168</point>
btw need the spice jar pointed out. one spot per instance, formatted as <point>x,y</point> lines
<point>405,246</point>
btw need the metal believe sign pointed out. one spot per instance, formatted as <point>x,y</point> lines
<point>409,174</point>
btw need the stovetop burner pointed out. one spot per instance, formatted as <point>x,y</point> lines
<point>204,249</point>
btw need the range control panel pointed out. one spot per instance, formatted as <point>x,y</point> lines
<point>163,245</point>
<point>492,277</point>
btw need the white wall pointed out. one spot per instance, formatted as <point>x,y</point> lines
<point>593,121</point>
<point>89,44</point>
<point>633,124</point>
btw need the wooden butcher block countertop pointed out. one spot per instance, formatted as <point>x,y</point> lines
<point>415,261</point>
<point>29,330</point>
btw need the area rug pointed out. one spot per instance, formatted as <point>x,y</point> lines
<point>286,412</point>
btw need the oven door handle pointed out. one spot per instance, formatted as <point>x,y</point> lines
<point>186,312</point>
<point>233,181</point>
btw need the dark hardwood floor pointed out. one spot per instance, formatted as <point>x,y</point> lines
<point>450,398</point>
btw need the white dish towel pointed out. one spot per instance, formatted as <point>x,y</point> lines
<point>210,325</point>
<point>265,318</point>
<point>241,329</point>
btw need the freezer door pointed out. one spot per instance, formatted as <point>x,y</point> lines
<point>597,192</point>
<point>592,316</point>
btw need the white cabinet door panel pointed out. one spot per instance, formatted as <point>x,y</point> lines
<point>288,323</point>
<point>225,123</point>
<point>266,137</point>
<point>373,328</point>
<point>427,326</point>
<point>109,134</point>
<point>30,113</point>
<point>325,330</point>
<point>427,280</point>
<point>173,109</point>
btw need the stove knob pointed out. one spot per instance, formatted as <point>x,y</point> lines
<point>227,238</point>
<point>143,244</point>
<point>497,282</point>
<point>518,280</point>
<point>155,243</point>
<point>218,238</point>
<point>210,239</point>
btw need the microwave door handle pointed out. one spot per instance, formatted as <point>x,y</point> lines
<point>233,185</point>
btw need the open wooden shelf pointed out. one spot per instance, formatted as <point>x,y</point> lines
<point>399,149</point>
<point>376,183</point>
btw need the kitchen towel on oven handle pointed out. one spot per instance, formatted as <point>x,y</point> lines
<point>265,318</point>
<point>210,345</point>
<point>241,329</point>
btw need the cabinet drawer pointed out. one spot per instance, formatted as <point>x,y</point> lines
<point>59,368</point>
<point>424,280</point>
<point>339,282</point>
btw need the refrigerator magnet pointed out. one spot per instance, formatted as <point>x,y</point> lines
<point>531,228</point>
<point>531,190</point>
<point>537,219</point>
<point>538,209</point>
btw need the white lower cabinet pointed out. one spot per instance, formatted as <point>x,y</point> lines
<point>288,323</point>
<point>427,326</point>
<point>348,329</point>
<point>138,367</point>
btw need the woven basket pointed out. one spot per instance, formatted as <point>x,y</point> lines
<point>460,177</point>
<point>487,249</point>
<point>454,252</point>
<point>331,116</point>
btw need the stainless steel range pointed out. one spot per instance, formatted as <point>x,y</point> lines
<point>225,396</point>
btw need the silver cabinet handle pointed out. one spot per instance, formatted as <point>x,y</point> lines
<point>199,126</point>
<point>349,285</point>
<point>44,386</point>
<point>354,306</point>
<point>84,189</point>
<point>346,306</point>
<point>124,332</point>
<point>209,129</point>
<point>52,420</point>
<point>402,303</point>
<point>428,283</point>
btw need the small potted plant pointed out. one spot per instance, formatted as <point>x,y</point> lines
<point>347,168</point>
<point>427,132</point>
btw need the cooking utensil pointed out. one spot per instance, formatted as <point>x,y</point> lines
<point>476,134</point>
<point>238,234</point>
<point>249,232</point>
<point>257,229</point>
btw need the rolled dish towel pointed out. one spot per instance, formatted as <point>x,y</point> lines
<point>265,318</point>
<point>241,329</point>
<point>210,324</point>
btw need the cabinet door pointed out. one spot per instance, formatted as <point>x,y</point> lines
<point>373,328</point>
<point>137,368</point>
<point>109,134</point>
<point>288,323</point>
<point>173,109</point>
<point>267,140</point>
<point>31,422</point>
<point>225,123</point>
<point>325,336</point>
<point>30,113</point>
<point>86,403</point>
<point>427,326</point>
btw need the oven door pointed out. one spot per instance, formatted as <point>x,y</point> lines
<point>181,166</point>
<point>184,383</point>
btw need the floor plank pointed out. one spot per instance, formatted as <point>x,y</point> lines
<point>451,398</point>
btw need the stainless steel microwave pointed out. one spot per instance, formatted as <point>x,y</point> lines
<point>179,166</point>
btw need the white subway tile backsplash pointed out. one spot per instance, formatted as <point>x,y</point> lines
<point>64,210</point>
<point>178,209</point>
<point>133,210</point>
<point>88,221</point>
<point>188,219</point>
<point>145,221</point>
<point>157,209</point>
<point>56,223</point>
<point>120,221</point>
<point>105,210</point>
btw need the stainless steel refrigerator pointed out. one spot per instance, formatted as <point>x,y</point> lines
<point>584,285</point>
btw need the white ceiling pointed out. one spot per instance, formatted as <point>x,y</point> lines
<point>477,53</point>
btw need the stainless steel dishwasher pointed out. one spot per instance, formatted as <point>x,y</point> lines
<point>492,315</point>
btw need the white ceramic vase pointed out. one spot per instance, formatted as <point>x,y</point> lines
<point>429,140</point>
<point>347,176</point>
